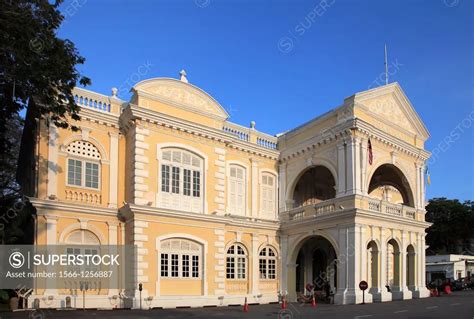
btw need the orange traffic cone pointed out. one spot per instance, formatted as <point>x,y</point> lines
<point>246,305</point>
<point>283,302</point>
<point>313,302</point>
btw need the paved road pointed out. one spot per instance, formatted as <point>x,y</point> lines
<point>459,305</point>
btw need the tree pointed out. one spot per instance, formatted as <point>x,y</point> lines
<point>453,226</point>
<point>38,72</point>
<point>35,63</point>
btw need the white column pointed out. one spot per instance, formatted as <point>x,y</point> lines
<point>363,253</point>
<point>255,182</point>
<point>363,175</point>
<point>423,261</point>
<point>284,262</point>
<point>357,166</point>
<point>341,169</point>
<point>418,260</point>
<point>255,271</point>
<point>51,230</point>
<point>350,166</point>
<point>342,267</point>
<point>51,240</point>
<point>422,182</point>
<point>113,238</point>
<point>418,187</point>
<point>281,183</point>
<point>353,244</point>
<point>406,293</point>
<point>384,295</point>
<point>113,173</point>
<point>403,265</point>
<point>52,186</point>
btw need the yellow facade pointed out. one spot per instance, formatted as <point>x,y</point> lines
<point>169,173</point>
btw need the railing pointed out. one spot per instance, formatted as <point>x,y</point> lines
<point>374,204</point>
<point>237,133</point>
<point>399,210</point>
<point>83,196</point>
<point>91,100</point>
<point>334,205</point>
<point>303,212</point>
<point>251,135</point>
<point>266,143</point>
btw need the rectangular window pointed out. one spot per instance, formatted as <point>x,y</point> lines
<point>92,175</point>
<point>271,269</point>
<point>195,266</point>
<point>165,178</point>
<point>164,265</point>
<point>240,268</point>
<point>185,266</point>
<point>174,265</point>
<point>74,176</point>
<point>230,274</point>
<point>187,182</point>
<point>196,184</point>
<point>262,267</point>
<point>175,180</point>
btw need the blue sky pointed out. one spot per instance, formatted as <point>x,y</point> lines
<point>281,63</point>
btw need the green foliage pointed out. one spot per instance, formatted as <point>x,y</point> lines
<point>35,63</point>
<point>453,226</point>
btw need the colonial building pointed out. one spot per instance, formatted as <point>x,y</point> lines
<point>219,212</point>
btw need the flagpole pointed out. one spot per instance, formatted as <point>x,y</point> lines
<point>386,66</point>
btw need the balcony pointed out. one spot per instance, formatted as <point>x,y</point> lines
<point>97,102</point>
<point>335,205</point>
<point>251,135</point>
<point>381,206</point>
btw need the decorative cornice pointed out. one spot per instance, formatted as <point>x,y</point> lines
<point>343,132</point>
<point>102,118</point>
<point>129,210</point>
<point>50,207</point>
<point>134,112</point>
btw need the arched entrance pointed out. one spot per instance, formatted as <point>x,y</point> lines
<point>388,183</point>
<point>315,263</point>
<point>411,267</point>
<point>315,185</point>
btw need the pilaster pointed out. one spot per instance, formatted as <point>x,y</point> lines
<point>220,177</point>
<point>219,258</point>
<point>141,162</point>
<point>114,171</point>
<point>52,186</point>
<point>341,169</point>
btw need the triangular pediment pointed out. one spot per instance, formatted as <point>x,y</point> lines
<point>389,105</point>
<point>181,94</point>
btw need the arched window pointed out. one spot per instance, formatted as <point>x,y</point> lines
<point>237,196</point>
<point>82,237</point>
<point>181,181</point>
<point>236,262</point>
<point>91,247</point>
<point>268,194</point>
<point>267,263</point>
<point>83,165</point>
<point>180,258</point>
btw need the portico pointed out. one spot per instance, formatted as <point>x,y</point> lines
<point>370,213</point>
